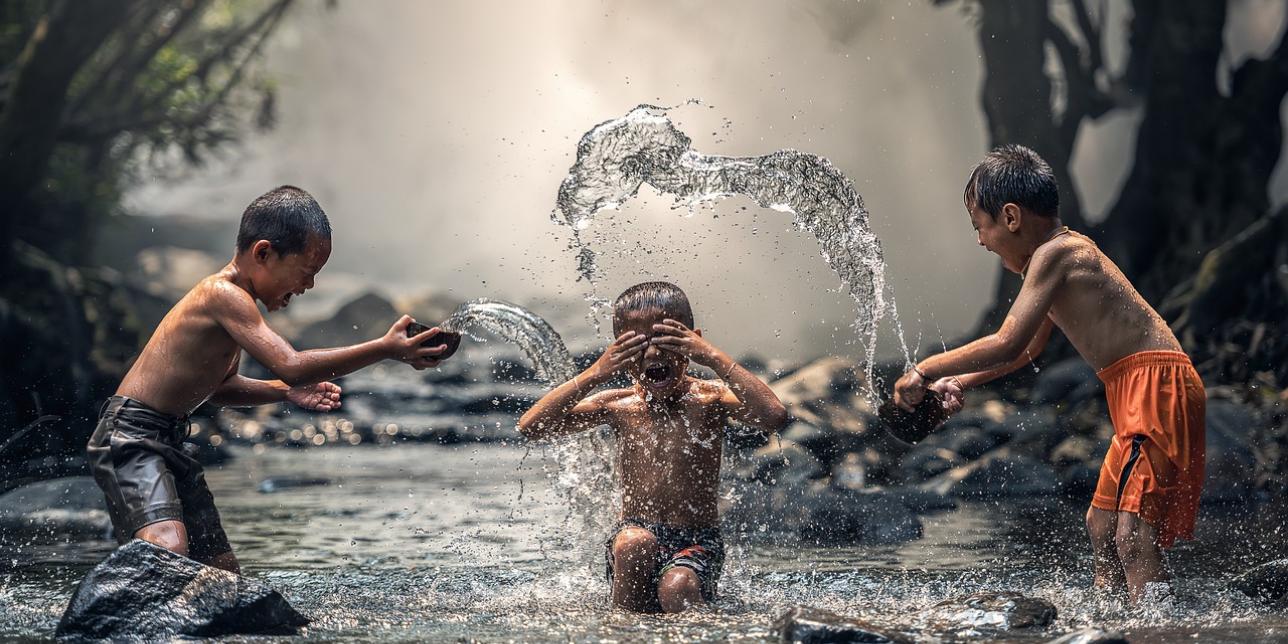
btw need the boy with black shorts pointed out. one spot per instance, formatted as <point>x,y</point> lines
<point>666,553</point>
<point>155,490</point>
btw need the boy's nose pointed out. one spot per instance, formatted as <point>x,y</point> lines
<point>651,350</point>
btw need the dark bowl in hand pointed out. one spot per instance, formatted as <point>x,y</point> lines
<point>452,340</point>
<point>914,426</point>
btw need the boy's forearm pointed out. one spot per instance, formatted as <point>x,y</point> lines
<point>761,404</point>
<point>240,391</point>
<point>982,376</point>
<point>548,417</point>
<point>318,365</point>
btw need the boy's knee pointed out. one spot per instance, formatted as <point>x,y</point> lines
<point>678,589</point>
<point>634,545</point>
<point>1101,525</point>
<point>170,535</point>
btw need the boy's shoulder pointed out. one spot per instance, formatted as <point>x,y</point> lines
<point>218,291</point>
<point>1072,250</point>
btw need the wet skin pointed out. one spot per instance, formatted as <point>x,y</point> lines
<point>670,430</point>
<point>193,355</point>
<point>1068,283</point>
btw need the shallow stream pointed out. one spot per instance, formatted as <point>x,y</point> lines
<point>421,542</point>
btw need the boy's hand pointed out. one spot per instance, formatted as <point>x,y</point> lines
<point>951,390</point>
<point>323,396</point>
<point>677,338</point>
<point>627,348</point>
<point>408,350</point>
<point>909,390</point>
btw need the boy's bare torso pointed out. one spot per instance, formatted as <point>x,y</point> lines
<point>188,355</point>
<point>1101,313</point>
<point>668,454</point>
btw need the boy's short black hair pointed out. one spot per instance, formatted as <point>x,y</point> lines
<point>1013,174</point>
<point>286,216</point>
<point>660,296</point>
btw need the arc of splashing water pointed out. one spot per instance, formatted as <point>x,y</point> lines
<point>530,332</point>
<point>616,157</point>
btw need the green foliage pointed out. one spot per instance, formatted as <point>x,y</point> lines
<point>176,79</point>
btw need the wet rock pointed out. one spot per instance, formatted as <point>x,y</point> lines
<point>781,463</point>
<point>1078,458</point>
<point>1090,635</point>
<point>827,394</point>
<point>990,611</point>
<point>363,318</point>
<point>1000,473</point>
<point>822,514</point>
<point>146,592</point>
<point>1267,582</point>
<point>57,510</point>
<point>971,442</point>
<point>1069,381</point>
<point>805,625</point>
<point>927,461</point>
<point>1231,455</point>
<point>279,483</point>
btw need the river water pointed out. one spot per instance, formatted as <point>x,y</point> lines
<point>422,542</point>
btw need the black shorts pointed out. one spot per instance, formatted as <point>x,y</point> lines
<point>136,456</point>
<point>698,549</point>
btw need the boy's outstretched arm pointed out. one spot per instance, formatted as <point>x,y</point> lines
<point>1030,353</point>
<point>567,409</point>
<point>997,350</point>
<point>234,309</point>
<point>748,399</point>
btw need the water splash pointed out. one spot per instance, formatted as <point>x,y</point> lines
<point>583,474</point>
<point>530,332</point>
<point>616,157</point>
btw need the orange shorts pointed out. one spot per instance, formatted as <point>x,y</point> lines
<point>1154,467</point>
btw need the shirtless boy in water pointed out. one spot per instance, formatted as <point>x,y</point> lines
<point>1148,493</point>
<point>666,553</point>
<point>155,490</point>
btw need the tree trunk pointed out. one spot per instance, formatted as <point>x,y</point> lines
<point>59,46</point>
<point>1016,98</point>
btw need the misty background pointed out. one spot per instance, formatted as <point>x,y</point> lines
<point>435,136</point>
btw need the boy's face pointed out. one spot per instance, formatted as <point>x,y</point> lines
<point>1000,235</point>
<point>282,276</point>
<point>659,371</point>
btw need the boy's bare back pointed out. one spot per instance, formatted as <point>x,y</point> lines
<point>190,354</point>
<point>1092,302</point>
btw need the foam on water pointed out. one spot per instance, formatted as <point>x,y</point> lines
<point>616,157</point>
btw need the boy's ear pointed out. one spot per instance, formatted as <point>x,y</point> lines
<point>1011,216</point>
<point>260,250</point>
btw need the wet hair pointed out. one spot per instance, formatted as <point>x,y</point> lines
<point>1013,174</point>
<point>287,217</point>
<point>650,296</point>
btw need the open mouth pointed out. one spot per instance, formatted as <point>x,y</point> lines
<point>657,374</point>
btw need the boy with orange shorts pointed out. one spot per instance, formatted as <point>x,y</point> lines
<point>1148,492</point>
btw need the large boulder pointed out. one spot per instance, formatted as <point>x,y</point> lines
<point>821,514</point>
<point>363,318</point>
<point>145,592</point>
<point>805,625</point>
<point>827,394</point>
<point>1069,381</point>
<point>989,611</point>
<point>1231,454</point>
<point>1000,473</point>
<point>58,510</point>
<point>1267,582</point>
